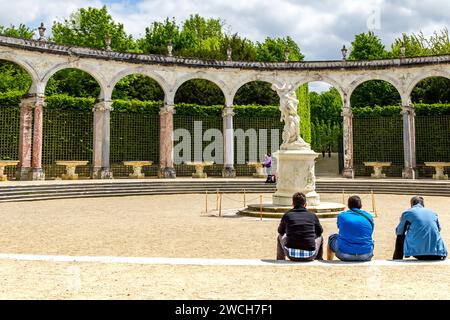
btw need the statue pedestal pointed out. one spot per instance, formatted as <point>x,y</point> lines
<point>295,173</point>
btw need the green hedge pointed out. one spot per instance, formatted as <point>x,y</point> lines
<point>64,102</point>
<point>388,111</point>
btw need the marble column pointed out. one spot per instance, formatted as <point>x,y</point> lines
<point>37,172</point>
<point>101,166</point>
<point>409,142</point>
<point>228,170</point>
<point>166,169</point>
<point>347,127</point>
<point>25,137</point>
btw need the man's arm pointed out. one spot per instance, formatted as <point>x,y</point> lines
<point>318,227</point>
<point>438,225</point>
<point>400,231</point>
<point>282,227</point>
<point>398,251</point>
<point>403,225</point>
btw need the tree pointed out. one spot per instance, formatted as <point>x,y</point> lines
<point>375,93</point>
<point>272,49</point>
<point>200,91</point>
<point>367,46</point>
<point>430,90</point>
<point>12,76</point>
<point>20,32</point>
<point>256,92</point>
<point>326,106</point>
<point>74,83</point>
<point>158,35</point>
<point>138,87</point>
<point>89,27</point>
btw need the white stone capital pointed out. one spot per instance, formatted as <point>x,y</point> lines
<point>167,108</point>
<point>227,111</point>
<point>408,109</point>
<point>103,106</point>
<point>347,112</point>
<point>33,101</point>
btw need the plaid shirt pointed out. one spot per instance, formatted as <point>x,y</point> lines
<point>299,253</point>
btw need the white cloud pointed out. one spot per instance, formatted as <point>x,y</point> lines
<point>319,27</point>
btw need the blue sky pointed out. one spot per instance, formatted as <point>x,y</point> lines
<point>319,27</point>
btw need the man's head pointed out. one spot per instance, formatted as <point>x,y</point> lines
<point>354,202</point>
<point>299,200</point>
<point>417,200</point>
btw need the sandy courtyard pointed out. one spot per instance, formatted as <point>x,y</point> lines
<point>174,226</point>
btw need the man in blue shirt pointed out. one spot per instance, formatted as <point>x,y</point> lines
<point>418,234</point>
<point>354,241</point>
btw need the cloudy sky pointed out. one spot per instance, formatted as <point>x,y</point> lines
<point>319,27</point>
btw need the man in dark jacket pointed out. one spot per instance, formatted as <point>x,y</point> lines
<point>299,233</point>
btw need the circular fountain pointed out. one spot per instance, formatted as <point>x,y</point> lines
<point>296,163</point>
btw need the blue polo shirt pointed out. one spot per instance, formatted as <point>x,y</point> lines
<point>355,232</point>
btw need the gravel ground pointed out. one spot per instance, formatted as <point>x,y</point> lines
<point>174,226</point>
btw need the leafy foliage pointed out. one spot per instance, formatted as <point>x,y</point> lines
<point>367,46</point>
<point>89,27</point>
<point>22,31</point>
<point>13,77</point>
<point>73,82</point>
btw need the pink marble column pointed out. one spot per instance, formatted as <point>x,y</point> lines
<point>166,169</point>
<point>25,136</point>
<point>348,141</point>
<point>37,172</point>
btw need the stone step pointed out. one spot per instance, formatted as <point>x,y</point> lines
<point>124,188</point>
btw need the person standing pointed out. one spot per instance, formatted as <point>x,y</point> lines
<point>418,233</point>
<point>299,233</point>
<point>354,241</point>
<point>268,167</point>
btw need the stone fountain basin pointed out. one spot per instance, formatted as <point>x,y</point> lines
<point>324,210</point>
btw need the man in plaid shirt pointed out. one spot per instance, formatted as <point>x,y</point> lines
<point>299,233</point>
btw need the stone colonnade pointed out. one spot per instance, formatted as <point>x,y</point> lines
<point>41,59</point>
<point>31,130</point>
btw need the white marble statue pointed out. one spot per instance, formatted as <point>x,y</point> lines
<point>288,107</point>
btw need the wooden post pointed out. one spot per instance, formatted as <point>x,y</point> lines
<point>260,206</point>
<point>374,209</point>
<point>245,200</point>
<point>206,201</point>
<point>217,199</point>
<point>343,196</point>
<point>220,205</point>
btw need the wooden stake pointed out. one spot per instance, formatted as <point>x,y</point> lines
<point>217,199</point>
<point>220,205</point>
<point>374,209</point>
<point>206,202</point>
<point>260,207</point>
<point>245,200</point>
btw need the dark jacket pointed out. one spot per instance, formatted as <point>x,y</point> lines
<point>301,228</point>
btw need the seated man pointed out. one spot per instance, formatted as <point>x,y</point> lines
<point>418,234</point>
<point>300,233</point>
<point>354,241</point>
